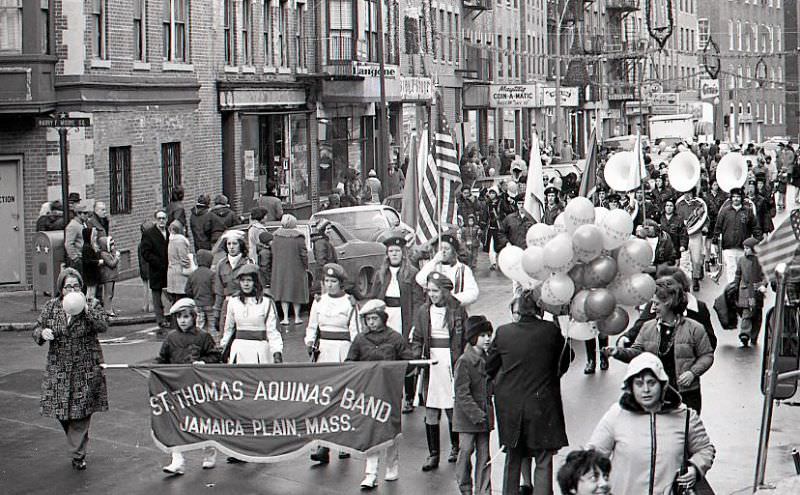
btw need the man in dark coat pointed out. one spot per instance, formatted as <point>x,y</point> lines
<point>526,361</point>
<point>200,222</point>
<point>514,227</point>
<point>154,252</point>
<point>270,201</point>
<point>222,217</point>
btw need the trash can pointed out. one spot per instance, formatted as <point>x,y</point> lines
<point>48,256</point>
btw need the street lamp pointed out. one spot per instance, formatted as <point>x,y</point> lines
<point>660,21</point>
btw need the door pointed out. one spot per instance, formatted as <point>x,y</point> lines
<point>11,248</point>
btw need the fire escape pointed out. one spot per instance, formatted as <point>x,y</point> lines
<point>625,47</point>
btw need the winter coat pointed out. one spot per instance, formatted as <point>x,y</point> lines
<point>473,411</point>
<point>221,219</point>
<point>646,449</point>
<point>73,239</point>
<point>383,345</point>
<point>764,213</point>
<point>200,287</point>
<point>526,361</point>
<point>692,349</point>
<point>90,259</point>
<point>550,214</point>
<point>323,254</point>
<point>273,206</point>
<point>289,266</point>
<point>101,224</point>
<point>109,270</point>
<point>154,252</point>
<point>411,294</point>
<point>224,283</point>
<point>178,250</point>
<point>187,347</point>
<point>749,276</point>
<point>676,228</point>
<point>265,264</point>
<point>176,211</point>
<point>696,310</point>
<point>74,385</point>
<point>714,203</point>
<point>665,253</point>
<point>735,226</point>
<point>513,229</point>
<point>200,223</point>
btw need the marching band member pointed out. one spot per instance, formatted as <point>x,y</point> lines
<point>695,213</point>
<point>332,326</point>
<point>465,288</point>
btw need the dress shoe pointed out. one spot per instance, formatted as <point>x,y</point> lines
<point>210,461</point>
<point>589,369</point>
<point>745,340</point>
<point>392,472</point>
<point>695,285</point>
<point>603,362</point>
<point>344,455</point>
<point>322,456</point>
<point>78,464</point>
<point>431,463</point>
<point>370,481</point>
<point>408,408</point>
<point>453,456</point>
<point>174,468</point>
<point>525,490</point>
<point>233,460</point>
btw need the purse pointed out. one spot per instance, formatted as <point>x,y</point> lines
<point>701,485</point>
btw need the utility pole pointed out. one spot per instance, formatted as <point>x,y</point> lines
<point>383,115</point>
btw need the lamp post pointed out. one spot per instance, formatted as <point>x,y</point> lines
<point>660,20</point>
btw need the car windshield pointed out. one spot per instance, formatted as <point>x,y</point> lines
<point>357,220</point>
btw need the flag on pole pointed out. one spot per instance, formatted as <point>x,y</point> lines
<point>534,195</point>
<point>589,178</point>
<point>446,158</point>
<point>441,183</point>
<point>637,169</point>
<point>426,226</point>
<point>410,205</point>
<point>781,245</point>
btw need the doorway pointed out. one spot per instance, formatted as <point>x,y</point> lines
<point>12,233</point>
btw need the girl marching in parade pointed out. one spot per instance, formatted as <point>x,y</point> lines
<point>394,284</point>
<point>332,326</point>
<point>438,334</point>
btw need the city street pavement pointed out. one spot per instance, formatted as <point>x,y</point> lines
<point>123,459</point>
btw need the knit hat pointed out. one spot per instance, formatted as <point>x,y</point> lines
<point>750,242</point>
<point>221,199</point>
<point>265,237</point>
<point>477,325</point>
<point>450,239</point>
<point>204,258</point>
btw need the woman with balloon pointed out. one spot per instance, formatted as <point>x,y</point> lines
<point>74,385</point>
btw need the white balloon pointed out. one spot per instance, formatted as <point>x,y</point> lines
<point>510,262</point>
<point>600,213</point>
<point>579,211</point>
<point>558,253</point>
<point>617,228</point>
<point>73,303</point>
<point>578,330</point>
<point>558,289</point>
<point>560,224</point>
<point>539,234</point>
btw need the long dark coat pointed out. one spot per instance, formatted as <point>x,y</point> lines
<point>526,361</point>
<point>289,266</point>
<point>154,252</point>
<point>411,295</point>
<point>74,385</point>
<point>455,318</point>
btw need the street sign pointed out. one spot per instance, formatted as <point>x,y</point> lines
<point>62,122</point>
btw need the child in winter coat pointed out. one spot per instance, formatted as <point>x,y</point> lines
<point>264,247</point>
<point>751,284</point>
<point>472,411</point>
<point>471,233</point>
<point>187,345</point>
<point>109,271</point>
<point>199,287</point>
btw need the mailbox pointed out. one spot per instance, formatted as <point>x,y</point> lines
<point>48,256</point>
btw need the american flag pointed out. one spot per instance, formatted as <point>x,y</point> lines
<point>781,245</point>
<point>442,179</point>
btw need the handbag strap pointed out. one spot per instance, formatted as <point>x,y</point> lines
<point>686,442</point>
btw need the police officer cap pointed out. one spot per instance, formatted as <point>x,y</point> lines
<point>181,304</point>
<point>440,280</point>
<point>373,306</point>
<point>335,270</point>
<point>248,269</point>
<point>450,239</point>
<point>552,188</point>
<point>736,191</point>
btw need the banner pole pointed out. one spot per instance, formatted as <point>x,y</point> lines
<point>412,362</point>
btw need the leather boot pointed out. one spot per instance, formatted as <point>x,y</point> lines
<point>589,369</point>
<point>432,435</point>
<point>453,457</point>
<point>322,455</point>
<point>603,362</point>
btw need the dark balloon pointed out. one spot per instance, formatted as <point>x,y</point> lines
<point>600,304</point>
<point>599,272</point>
<point>614,324</point>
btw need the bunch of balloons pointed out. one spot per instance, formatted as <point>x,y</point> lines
<point>586,266</point>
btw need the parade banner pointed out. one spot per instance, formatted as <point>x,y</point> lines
<point>272,413</point>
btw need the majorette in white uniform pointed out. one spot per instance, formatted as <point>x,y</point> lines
<point>441,389</point>
<point>335,318</point>
<point>465,288</point>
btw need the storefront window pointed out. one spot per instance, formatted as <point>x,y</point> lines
<point>299,158</point>
<point>333,153</point>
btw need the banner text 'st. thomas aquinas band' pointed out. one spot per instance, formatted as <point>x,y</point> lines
<point>271,413</point>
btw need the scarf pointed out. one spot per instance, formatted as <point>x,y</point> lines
<point>234,260</point>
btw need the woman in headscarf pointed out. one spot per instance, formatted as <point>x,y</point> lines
<point>179,261</point>
<point>289,268</point>
<point>645,434</point>
<point>74,385</point>
<point>438,334</point>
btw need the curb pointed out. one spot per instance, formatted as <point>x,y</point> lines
<point>118,321</point>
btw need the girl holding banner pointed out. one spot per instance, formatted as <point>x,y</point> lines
<point>438,334</point>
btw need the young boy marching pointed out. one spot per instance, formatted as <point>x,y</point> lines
<point>473,415</point>
<point>188,345</point>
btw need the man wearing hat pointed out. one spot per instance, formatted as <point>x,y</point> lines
<point>531,356</point>
<point>735,223</point>
<point>600,197</point>
<point>552,207</point>
<point>379,343</point>
<point>73,236</point>
<point>465,288</point>
<point>514,227</point>
<point>222,217</point>
<point>394,284</point>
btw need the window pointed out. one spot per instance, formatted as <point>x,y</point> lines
<point>119,176</point>
<point>247,32</point>
<point>175,20</point>
<point>747,36</point>
<point>510,56</point>
<point>10,26</point>
<point>772,119</point>
<point>170,169</point>
<point>780,113</point>
<point>778,39</point>
<point>499,56</point>
<point>99,29</point>
<point>300,33</point>
<point>442,36</point>
<point>457,39</point>
<point>268,33</point>
<point>139,30</point>
<point>45,26</point>
<point>731,39</point>
<point>739,35</point>
<point>371,29</point>
<point>450,37</point>
<point>340,30</point>
<point>228,16</point>
<point>283,34</point>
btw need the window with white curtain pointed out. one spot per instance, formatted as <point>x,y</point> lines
<point>10,26</point>
<point>739,35</point>
<point>731,38</point>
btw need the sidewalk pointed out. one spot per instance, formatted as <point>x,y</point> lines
<point>17,313</point>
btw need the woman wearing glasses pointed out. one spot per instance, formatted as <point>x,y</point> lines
<point>74,385</point>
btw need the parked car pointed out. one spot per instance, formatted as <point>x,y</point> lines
<point>360,259</point>
<point>395,201</point>
<point>365,222</point>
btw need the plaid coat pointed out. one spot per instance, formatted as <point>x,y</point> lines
<point>74,385</point>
